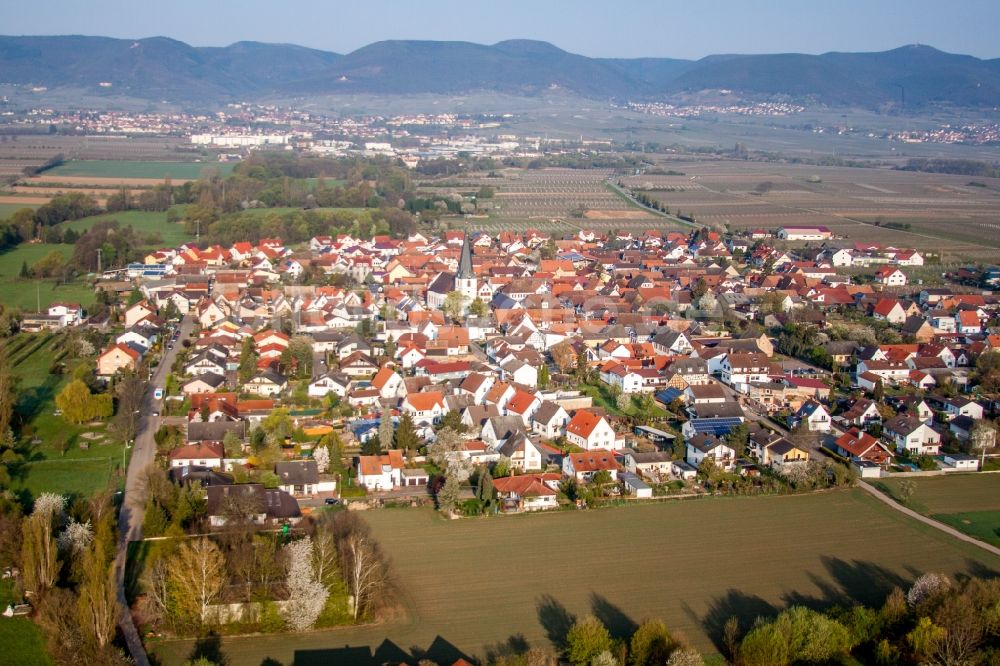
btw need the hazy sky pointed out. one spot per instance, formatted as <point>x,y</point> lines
<point>665,28</point>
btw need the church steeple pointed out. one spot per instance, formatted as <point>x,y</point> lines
<point>465,261</point>
<point>465,279</point>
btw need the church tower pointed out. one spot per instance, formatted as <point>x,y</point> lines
<point>465,280</point>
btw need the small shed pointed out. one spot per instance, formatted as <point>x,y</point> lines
<point>635,486</point>
<point>866,469</point>
<point>960,462</point>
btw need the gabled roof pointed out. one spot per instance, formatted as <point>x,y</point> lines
<point>583,423</point>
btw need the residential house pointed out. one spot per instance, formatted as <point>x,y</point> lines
<point>379,473</point>
<point>911,436</point>
<point>591,431</point>
<point>583,466</point>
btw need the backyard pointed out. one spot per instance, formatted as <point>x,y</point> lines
<point>475,583</point>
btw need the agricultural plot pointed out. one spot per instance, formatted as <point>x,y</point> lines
<point>156,171</point>
<point>477,583</point>
<point>944,213</point>
<point>969,503</point>
<point>562,201</point>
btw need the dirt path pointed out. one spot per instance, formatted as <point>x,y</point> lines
<point>928,521</point>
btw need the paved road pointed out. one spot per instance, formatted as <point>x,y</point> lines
<point>928,521</point>
<point>132,510</point>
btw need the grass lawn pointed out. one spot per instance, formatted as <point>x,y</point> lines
<point>968,502</point>
<point>602,398</point>
<point>983,525</point>
<point>26,294</point>
<point>477,582</point>
<point>143,222</point>
<point>950,493</point>
<point>125,169</point>
<point>22,640</point>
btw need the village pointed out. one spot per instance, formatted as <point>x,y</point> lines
<point>558,370</point>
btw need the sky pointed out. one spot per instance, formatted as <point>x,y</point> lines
<point>622,28</point>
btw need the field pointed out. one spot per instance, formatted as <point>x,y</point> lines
<point>171,235</point>
<point>969,503</point>
<point>76,470</point>
<point>562,201</point>
<point>7,209</point>
<point>473,584</point>
<point>26,294</point>
<point>118,169</point>
<point>944,212</point>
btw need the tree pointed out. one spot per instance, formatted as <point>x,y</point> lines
<point>479,308</point>
<point>448,495</point>
<point>926,587</point>
<point>98,602</point>
<point>502,467</point>
<point>364,569</point>
<point>306,594</point>
<point>39,553</point>
<point>453,420</point>
<point>406,433</point>
<point>79,405</point>
<point>797,635</point>
<point>485,492</point>
<point>454,305</point>
<point>385,430</point>
<point>906,490</point>
<point>685,657</point>
<point>129,389</point>
<point>651,644</point>
<point>197,576</point>
<point>8,395</point>
<point>372,446</point>
<point>543,376</point>
<point>586,639</point>
<point>248,360</point>
<point>321,455</point>
<point>982,438</point>
<point>738,438</point>
<point>444,452</point>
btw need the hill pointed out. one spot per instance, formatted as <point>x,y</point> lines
<point>161,68</point>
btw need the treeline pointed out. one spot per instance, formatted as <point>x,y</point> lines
<point>64,553</point>
<point>26,224</point>
<point>301,225</point>
<point>952,166</point>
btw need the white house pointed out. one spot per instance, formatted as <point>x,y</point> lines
<point>700,447</point>
<point>912,436</point>
<point>590,431</point>
<point>383,472</point>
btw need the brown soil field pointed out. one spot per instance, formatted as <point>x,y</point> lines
<point>24,200</point>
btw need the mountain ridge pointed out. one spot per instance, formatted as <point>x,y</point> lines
<point>165,68</point>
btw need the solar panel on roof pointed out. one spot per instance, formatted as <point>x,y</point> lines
<point>716,426</point>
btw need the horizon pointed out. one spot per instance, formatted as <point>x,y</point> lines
<point>490,44</point>
<point>586,27</point>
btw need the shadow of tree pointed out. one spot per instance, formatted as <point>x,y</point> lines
<point>734,603</point>
<point>853,582</point>
<point>209,647</point>
<point>620,625</point>
<point>555,619</point>
<point>268,661</point>
<point>513,646</point>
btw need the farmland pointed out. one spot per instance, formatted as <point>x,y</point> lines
<point>945,213</point>
<point>562,201</point>
<point>115,169</point>
<point>969,503</point>
<point>476,583</point>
